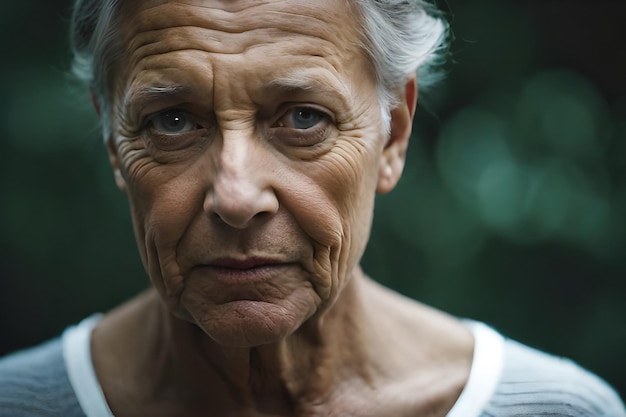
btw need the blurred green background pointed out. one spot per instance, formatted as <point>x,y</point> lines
<point>511,210</point>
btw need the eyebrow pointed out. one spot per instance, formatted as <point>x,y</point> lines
<point>146,95</point>
<point>302,80</point>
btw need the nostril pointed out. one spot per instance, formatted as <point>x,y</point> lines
<point>242,186</point>
<point>241,222</point>
<point>239,206</point>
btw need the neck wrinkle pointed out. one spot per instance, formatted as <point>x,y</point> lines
<point>298,372</point>
<point>336,349</point>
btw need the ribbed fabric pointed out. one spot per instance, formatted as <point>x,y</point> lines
<point>536,384</point>
<point>34,383</point>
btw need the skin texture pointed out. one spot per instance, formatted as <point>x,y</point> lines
<point>248,138</point>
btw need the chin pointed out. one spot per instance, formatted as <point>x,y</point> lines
<point>247,324</point>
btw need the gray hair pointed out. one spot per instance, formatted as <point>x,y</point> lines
<point>401,38</point>
<point>404,37</point>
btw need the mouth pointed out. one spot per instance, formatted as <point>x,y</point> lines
<point>232,270</point>
<point>243,264</point>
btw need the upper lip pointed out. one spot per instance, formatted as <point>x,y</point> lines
<point>243,263</point>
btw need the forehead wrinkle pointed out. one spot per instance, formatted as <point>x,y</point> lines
<point>151,16</point>
<point>323,27</point>
<point>168,27</point>
<point>203,40</point>
<point>232,19</point>
<point>308,20</point>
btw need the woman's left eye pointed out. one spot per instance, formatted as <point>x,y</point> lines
<point>301,118</point>
<point>173,122</point>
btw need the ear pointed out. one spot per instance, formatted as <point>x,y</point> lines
<point>394,154</point>
<point>115,164</point>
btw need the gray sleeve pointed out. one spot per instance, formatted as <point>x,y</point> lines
<point>34,383</point>
<point>537,384</point>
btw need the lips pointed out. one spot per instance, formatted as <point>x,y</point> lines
<point>246,270</point>
<point>243,264</point>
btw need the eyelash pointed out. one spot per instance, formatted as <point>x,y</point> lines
<point>320,115</point>
<point>319,129</point>
<point>309,136</point>
<point>190,124</point>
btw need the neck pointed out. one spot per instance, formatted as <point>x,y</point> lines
<point>278,378</point>
<point>395,357</point>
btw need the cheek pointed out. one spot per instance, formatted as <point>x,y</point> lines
<point>163,197</point>
<point>352,172</point>
<point>332,201</point>
<point>163,206</point>
<point>350,178</point>
<point>353,187</point>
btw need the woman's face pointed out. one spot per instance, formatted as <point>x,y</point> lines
<point>248,138</point>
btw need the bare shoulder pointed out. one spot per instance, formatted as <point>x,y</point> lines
<point>426,354</point>
<point>423,327</point>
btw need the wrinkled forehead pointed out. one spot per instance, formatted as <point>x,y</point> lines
<point>242,39</point>
<point>328,29</point>
<point>335,19</point>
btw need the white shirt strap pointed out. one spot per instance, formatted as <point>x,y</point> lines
<point>77,356</point>
<point>487,365</point>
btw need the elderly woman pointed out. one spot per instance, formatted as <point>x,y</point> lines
<point>251,139</point>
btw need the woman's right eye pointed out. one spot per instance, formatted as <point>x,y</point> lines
<point>173,122</point>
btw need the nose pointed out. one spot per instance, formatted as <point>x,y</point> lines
<point>242,189</point>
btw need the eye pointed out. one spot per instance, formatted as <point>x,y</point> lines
<point>301,118</point>
<point>173,122</point>
<point>303,126</point>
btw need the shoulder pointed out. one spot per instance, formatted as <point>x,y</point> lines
<point>34,383</point>
<point>538,384</point>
